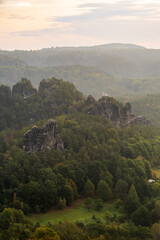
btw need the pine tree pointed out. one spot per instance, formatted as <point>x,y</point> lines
<point>132,201</point>
<point>103,190</point>
<point>89,188</point>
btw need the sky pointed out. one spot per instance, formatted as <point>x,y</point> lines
<point>36,24</point>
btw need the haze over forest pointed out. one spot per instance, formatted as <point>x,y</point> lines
<point>118,70</point>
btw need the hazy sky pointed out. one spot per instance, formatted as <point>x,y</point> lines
<point>35,24</point>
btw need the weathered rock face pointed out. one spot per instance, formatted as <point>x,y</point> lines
<point>90,100</point>
<point>23,88</point>
<point>48,84</point>
<point>45,84</point>
<point>139,120</point>
<point>106,108</point>
<point>120,116</point>
<point>38,139</point>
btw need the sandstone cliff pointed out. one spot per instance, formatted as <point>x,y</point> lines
<point>37,139</point>
<point>118,114</point>
<point>23,88</point>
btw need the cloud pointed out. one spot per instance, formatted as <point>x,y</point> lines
<point>34,33</point>
<point>83,22</point>
<point>52,31</point>
<point>124,10</point>
<point>19,17</point>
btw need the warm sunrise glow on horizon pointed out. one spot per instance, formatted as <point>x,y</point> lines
<point>23,4</point>
<point>36,24</point>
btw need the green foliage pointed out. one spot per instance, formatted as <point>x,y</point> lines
<point>107,217</point>
<point>68,194</point>
<point>61,203</point>
<point>155,213</point>
<point>96,155</point>
<point>141,217</point>
<point>14,225</point>
<point>98,204</point>
<point>70,231</point>
<point>132,201</point>
<point>104,191</point>
<point>45,233</point>
<point>40,179</point>
<point>10,216</point>
<point>89,203</point>
<point>121,188</point>
<point>155,231</point>
<point>89,188</point>
<point>156,190</point>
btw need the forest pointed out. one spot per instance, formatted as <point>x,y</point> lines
<point>100,163</point>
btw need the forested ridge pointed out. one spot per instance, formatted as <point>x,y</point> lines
<point>99,163</point>
<point>118,70</point>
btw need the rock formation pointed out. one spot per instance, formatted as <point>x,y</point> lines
<point>23,88</point>
<point>90,100</point>
<point>37,139</point>
<point>106,108</point>
<point>49,84</point>
<point>119,115</point>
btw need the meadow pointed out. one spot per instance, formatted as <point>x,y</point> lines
<point>77,212</point>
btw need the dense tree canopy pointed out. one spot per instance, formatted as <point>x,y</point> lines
<point>98,161</point>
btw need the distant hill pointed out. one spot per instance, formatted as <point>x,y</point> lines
<point>121,60</point>
<point>119,45</point>
<point>103,46</point>
<point>9,61</point>
<point>106,61</point>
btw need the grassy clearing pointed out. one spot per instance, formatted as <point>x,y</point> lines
<point>77,212</point>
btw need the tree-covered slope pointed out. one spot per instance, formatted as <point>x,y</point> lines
<point>106,61</point>
<point>89,80</point>
<point>122,60</point>
<point>9,61</point>
<point>114,69</point>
